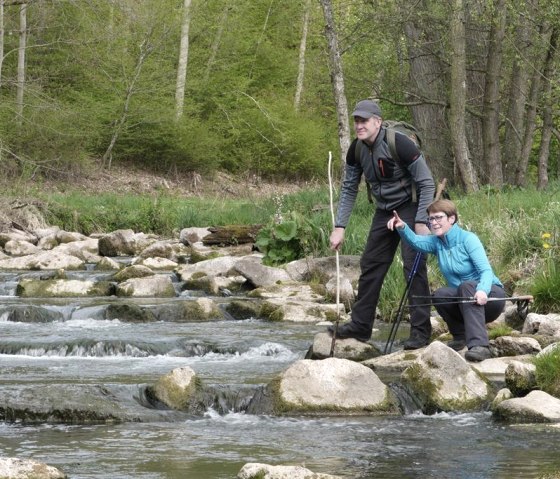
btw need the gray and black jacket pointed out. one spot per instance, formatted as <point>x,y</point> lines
<point>392,182</point>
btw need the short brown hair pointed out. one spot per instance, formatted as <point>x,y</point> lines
<point>445,206</point>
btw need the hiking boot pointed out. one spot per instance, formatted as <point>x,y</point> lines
<point>347,331</point>
<point>456,344</point>
<point>415,342</point>
<point>478,353</point>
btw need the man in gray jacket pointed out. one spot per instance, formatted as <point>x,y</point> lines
<point>406,186</point>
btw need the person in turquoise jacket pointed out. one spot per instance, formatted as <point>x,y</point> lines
<point>463,262</point>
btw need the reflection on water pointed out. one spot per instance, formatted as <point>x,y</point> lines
<point>85,350</point>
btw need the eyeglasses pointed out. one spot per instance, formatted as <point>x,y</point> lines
<point>436,218</point>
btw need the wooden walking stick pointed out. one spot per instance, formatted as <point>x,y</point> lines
<point>333,342</point>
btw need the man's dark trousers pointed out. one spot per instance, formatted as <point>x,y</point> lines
<point>376,260</point>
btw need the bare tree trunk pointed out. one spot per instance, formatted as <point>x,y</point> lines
<point>539,60</point>
<point>477,36</point>
<point>145,49</point>
<point>428,92</point>
<point>515,124</point>
<point>337,79</point>
<point>21,62</point>
<point>548,120</point>
<point>302,49</point>
<point>1,38</point>
<point>217,40</point>
<point>183,58</point>
<point>458,98</point>
<point>491,106</point>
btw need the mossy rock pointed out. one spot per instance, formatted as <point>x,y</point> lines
<point>240,309</point>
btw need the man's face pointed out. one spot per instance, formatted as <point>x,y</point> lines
<point>367,128</point>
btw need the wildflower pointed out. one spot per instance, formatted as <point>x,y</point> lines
<point>546,246</point>
<point>545,236</point>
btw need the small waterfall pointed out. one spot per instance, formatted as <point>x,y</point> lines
<point>408,404</point>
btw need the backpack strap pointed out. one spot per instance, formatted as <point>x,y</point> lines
<point>391,142</point>
<point>390,135</point>
<point>357,154</point>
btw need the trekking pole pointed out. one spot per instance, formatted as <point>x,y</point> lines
<point>465,299</point>
<point>333,342</point>
<point>400,311</point>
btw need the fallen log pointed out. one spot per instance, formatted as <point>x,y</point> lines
<point>231,235</point>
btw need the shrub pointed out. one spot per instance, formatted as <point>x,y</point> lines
<point>287,239</point>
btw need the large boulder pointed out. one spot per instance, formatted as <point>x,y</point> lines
<point>189,236</point>
<point>176,388</point>
<point>330,386</point>
<point>520,378</point>
<point>514,346</point>
<point>20,248</point>
<point>258,274</point>
<point>76,404</point>
<point>441,380</point>
<point>220,266</point>
<point>43,261</point>
<point>536,407</point>
<point>86,249</point>
<point>63,288</point>
<point>157,286</point>
<point>14,468</point>
<point>124,243</point>
<point>171,250</point>
<point>544,324</point>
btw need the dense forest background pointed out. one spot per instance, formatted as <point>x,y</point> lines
<point>264,87</point>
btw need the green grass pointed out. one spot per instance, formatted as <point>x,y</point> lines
<point>510,223</point>
<point>547,372</point>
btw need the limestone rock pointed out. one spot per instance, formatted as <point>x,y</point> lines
<point>159,286</point>
<point>14,468</point>
<point>335,386</point>
<point>176,388</point>
<point>536,407</point>
<point>441,380</point>
<point>266,471</point>
<point>520,378</point>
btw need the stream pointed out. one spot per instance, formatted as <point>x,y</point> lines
<point>237,357</point>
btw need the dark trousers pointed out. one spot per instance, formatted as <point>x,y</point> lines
<point>376,259</point>
<point>468,320</point>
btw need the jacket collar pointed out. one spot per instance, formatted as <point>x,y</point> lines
<point>451,237</point>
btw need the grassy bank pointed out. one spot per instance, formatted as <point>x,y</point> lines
<point>520,228</point>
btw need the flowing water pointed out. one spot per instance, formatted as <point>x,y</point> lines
<point>80,347</point>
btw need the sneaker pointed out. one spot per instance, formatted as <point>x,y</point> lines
<point>415,342</point>
<point>347,331</point>
<point>478,353</point>
<point>456,344</point>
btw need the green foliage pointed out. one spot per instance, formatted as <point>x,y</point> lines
<point>288,239</point>
<point>104,213</point>
<point>546,288</point>
<point>167,145</point>
<point>547,372</point>
<point>498,331</point>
